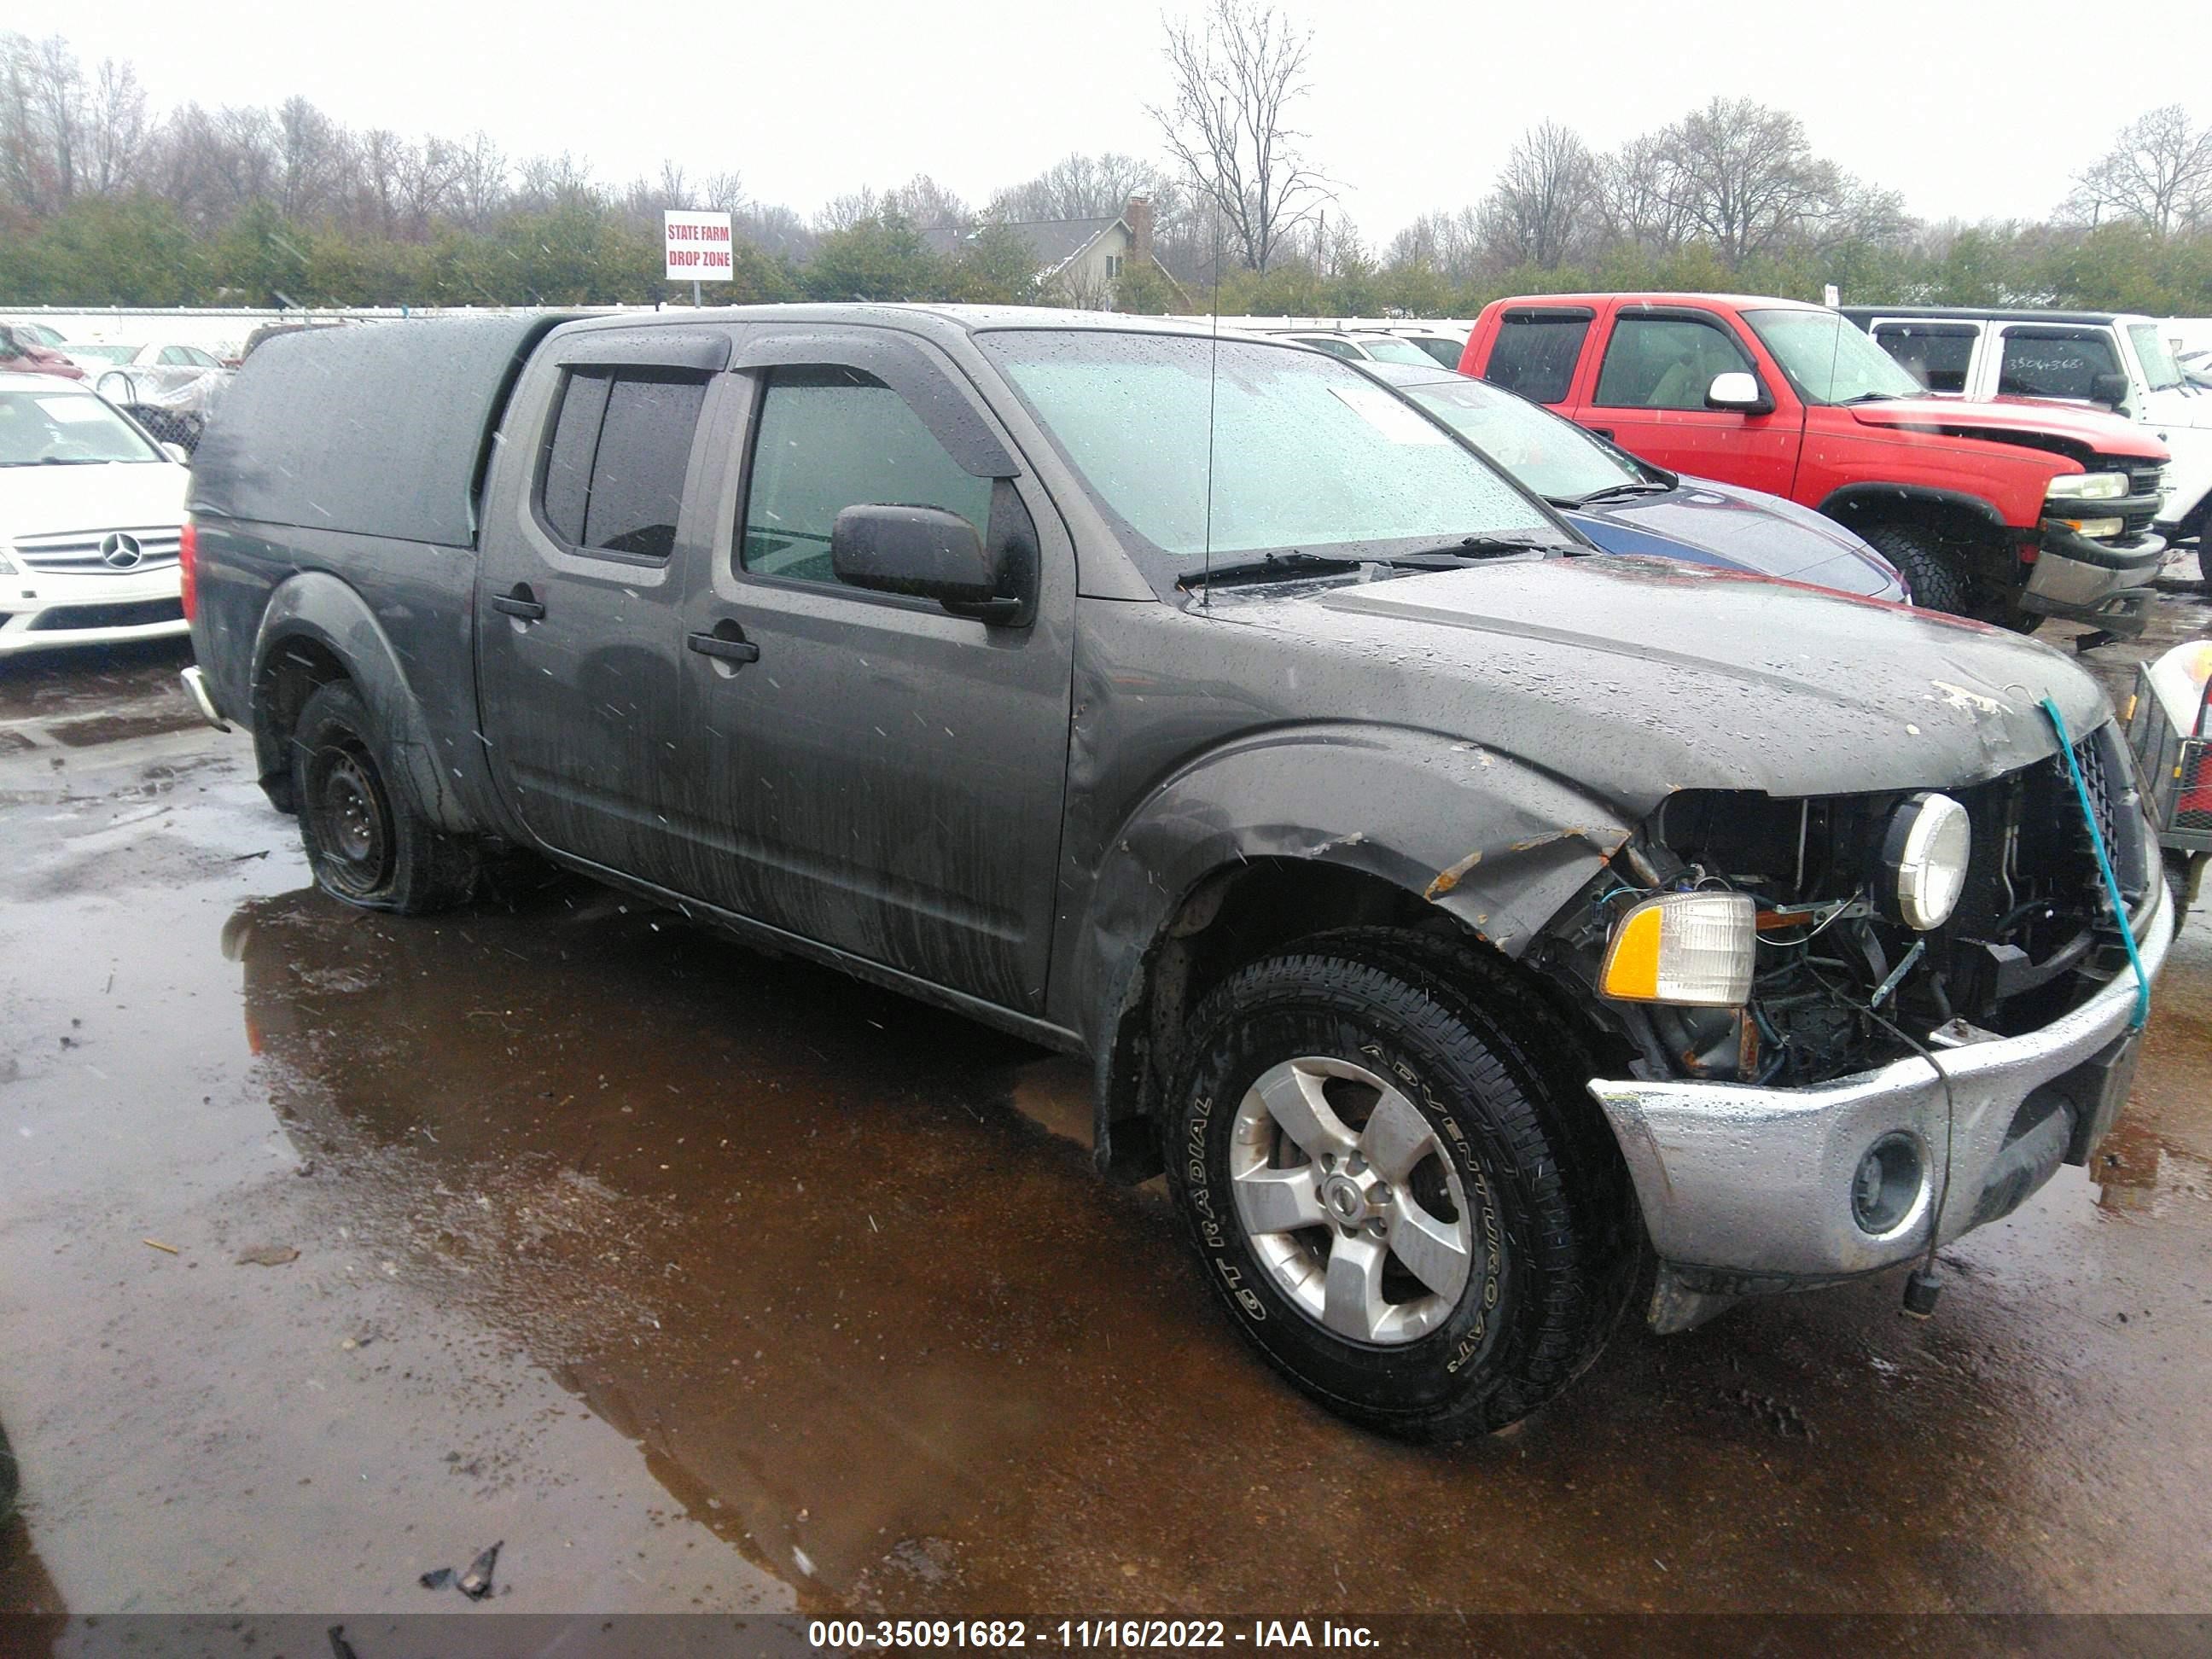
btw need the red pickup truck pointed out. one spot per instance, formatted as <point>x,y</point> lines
<point>2008,512</point>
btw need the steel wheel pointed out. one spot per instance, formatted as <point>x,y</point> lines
<point>1350,1201</point>
<point>356,821</point>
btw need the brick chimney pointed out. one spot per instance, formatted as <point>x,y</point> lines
<point>1138,216</point>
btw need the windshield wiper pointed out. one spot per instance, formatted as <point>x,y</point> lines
<point>1449,556</point>
<point>1464,548</point>
<point>1869,398</point>
<point>1619,492</point>
<point>1273,566</point>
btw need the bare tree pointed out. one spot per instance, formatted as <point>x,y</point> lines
<point>2158,173</point>
<point>1635,196</point>
<point>928,205</point>
<point>244,158</point>
<point>1235,76</point>
<point>1076,187</point>
<point>44,116</point>
<point>1742,176</point>
<point>776,229</point>
<point>480,181</point>
<point>119,128</point>
<point>1543,208</point>
<point>313,157</point>
<point>546,182</point>
<point>843,212</point>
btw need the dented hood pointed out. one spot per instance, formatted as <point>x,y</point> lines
<point>1635,678</point>
<point>2104,435</point>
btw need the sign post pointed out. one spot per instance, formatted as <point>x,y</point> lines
<point>698,248</point>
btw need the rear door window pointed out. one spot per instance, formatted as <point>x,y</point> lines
<point>1665,362</point>
<point>1536,352</point>
<point>1937,354</point>
<point>615,465</point>
<point>830,438</point>
<point>2054,363</point>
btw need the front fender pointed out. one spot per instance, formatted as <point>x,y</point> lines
<point>315,606</point>
<point>1497,843</point>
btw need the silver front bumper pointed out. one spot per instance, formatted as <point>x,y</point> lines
<point>1749,1188</point>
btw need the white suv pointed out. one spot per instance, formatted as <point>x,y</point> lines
<point>2111,359</point>
<point>91,509</point>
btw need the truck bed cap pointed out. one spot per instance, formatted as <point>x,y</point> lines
<point>378,430</point>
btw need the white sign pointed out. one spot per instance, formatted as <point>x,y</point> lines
<point>697,246</point>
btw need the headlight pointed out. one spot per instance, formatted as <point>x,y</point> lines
<point>1924,860</point>
<point>1690,948</point>
<point>7,565</point>
<point>2088,487</point>
<point>2095,527</point>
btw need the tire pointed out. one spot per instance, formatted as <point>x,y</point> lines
<point>1938,577</point>
<point>1364,1041</point>
<point>365,840</point>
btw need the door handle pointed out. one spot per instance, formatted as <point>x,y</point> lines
<point>1604,432</point>
<point>730,646</point>
<point>521,602</point>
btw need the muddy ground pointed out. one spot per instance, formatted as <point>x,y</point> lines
<point>707,1281</point>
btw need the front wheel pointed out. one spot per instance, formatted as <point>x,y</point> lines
<point>366,840</point>
<point>1387,1195</point>
<point>1937,574</point>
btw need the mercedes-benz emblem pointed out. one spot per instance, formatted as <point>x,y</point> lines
<point>119,550</point>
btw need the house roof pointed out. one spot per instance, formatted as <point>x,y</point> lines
<point>1056,241</point>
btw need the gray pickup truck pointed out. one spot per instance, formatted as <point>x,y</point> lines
<point>1483,935</point>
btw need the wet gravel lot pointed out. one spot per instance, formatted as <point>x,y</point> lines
<point>334,1247</point>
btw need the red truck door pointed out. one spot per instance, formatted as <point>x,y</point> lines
<point>1654,365</point>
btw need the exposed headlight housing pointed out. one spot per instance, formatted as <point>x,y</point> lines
<point>2087,487</point>
<point>1924,853</point>
<point>1694,949</point>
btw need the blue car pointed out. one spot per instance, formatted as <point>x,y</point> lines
<point>1628,505</point>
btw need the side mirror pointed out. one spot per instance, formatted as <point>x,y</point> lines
<point>1739,390</point>
<point>179,454</point>
<point>2110,389</point>
<point>921,551</point>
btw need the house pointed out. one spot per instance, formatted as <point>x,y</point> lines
<point>1081,262</point>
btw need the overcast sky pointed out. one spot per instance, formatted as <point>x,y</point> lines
<point>1976,108</point>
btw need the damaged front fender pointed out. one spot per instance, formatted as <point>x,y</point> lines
<point>1485,837</point>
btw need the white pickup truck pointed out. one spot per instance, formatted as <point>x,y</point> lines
<point>2119,361</point>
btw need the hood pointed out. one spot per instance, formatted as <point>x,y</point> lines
<point>49,501</point>
<point>1957,417</point>
<point>2185,405</point>
<point>1634,678</point>
<point>1738,529</point>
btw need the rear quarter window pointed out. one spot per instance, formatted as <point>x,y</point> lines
<point>613,480</point>
<point>1535,354</point>
<point>2054,363</point>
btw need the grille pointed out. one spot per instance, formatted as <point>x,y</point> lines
<point>77,553</point>
<point>2091,760</point>
<point>68,618</point>
<point>2145,481</point>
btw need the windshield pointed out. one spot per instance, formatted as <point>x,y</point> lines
<point>1553,457</point>
<point>2160,370</point>
<point>1828,361</point>
<point>107,354</point>
<point>1309,454</point>
<point>1388,348</point>
<point>59,428</point>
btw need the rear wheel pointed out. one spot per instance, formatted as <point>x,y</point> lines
<point>1387,1192</point>
<point>367,842</point>
<point>1939,574</point>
